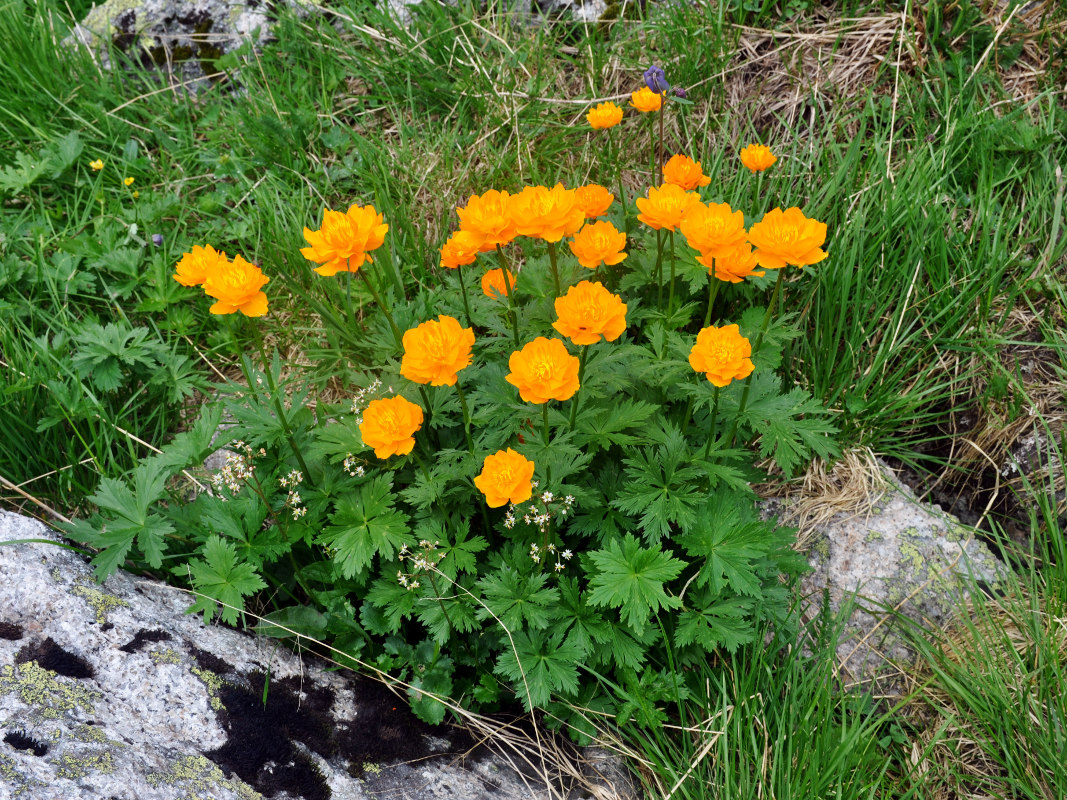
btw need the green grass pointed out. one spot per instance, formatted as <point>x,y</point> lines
<point>940,196</point>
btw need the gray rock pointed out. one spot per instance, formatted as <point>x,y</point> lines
<point>899,554</point>
<point>112,691</point>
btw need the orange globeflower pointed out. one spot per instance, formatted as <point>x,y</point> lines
<point>664,207</point>
<point>544,213</point>
<point>389,425</point>
<point>758,157</point>
<point>713,228</point>
<point>344,241</point>
<point>506,477</point>
<point>599,243</point>
<point>604,115</point>
<point>733,264</point>
<point>543,370</point>
<point>723,354</point>
<point>645,100</point>
<point>588,312</point>
<point>493,285</point>
<point>788,237</point>
<point>685,172</point>
<point>436,351</point>
<point>461,248</point>
<point>487,215</point>
<point>594,200</point>
<point>236,286</point>
<point>194,266</point>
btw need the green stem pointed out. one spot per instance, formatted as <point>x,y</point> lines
<point>463,289</point>
<point>713,290</point>
<point>276,398</point>
<point>652,149</point>
<point>555,267</point>
<point>437,594</point>
<point>658,271</point>
<point>544,416</point>
<point>711,427</point>
<point>577,394</point>
<point>466,417</point>
<point>659,160</point>
<point>614,158</point>
<point>384,308</point>
<point>507,289</point>
<point>755,349</point>
<point>348,296</point>
<point>688,413</point>
<point>670,294</point>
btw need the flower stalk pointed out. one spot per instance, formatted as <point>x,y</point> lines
<point>508,291</point>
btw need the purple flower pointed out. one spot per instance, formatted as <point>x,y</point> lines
<point>656,80</point>
<point>157,239</point>
<point>680,92</point>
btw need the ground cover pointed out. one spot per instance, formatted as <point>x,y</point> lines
<point>928,138</point>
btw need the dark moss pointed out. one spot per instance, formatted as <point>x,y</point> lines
<point>20,741</point>
<point>50,655</point>
<point>209,661</point>
<point>10,631</point>
<point>143,637</point>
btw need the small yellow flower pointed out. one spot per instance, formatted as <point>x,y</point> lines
<point>594,200</point>
<point>136,194</point>
<point>97,165</point>
<point>788,237</point>
<point>127,181</point>
<point>758,157</point>
<point>604,115</point>
<point>646,100</point>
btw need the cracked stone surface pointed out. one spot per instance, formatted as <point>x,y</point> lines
<point>112,691</point>
<point>902,554</point>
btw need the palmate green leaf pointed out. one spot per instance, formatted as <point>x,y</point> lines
<point>517,600</point>
<point>221,578</point>
<point>631,579</point>
<point>586,627</point>
<point>336,440</point>
<point>387,604</point>
<point>433,682</point>
<point>662,487</point>
<point>445,616</point>
<point>722,624</point>
<point>607,426</point>
<point>539,665</point>
<point>364,524</point>
<point>731,542</point>
<point>792,426</point>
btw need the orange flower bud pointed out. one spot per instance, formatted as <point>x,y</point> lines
<point>588,312</point>
<point>713,228</point>
<point>604,115</point>
<point>544,213</point>
<point>506,477</point>
<point>664,207</point>
<point>646,100</point>
<point>493,285</point>
<point>236,286</point>
<point>436,351</point>
<point>685,172</point>
<point>194,266</point>
<point>543,370</point>
<point>344,241</point>
<point>594,200</point>
<point>599,243</point>
<point>788,237</point>
<point>461,248</point>
<point>487,215</point>
<point>758,157</point>
<point>733,265</point>
<point>389,425</point>
<point>723,354</point>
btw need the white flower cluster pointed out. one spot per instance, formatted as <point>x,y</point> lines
<point>550,550</point>
<point>554,507</point>
<point>237,469</point>
<point>424,559</point>
<point>364,396</point>
<point>293,500</point>
<point>353,467</point>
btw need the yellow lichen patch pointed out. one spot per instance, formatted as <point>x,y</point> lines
<point>10,775</point>
<point>44,690</point>
<point>372,769</point>
<point>100,602</point>
<point>167,656</point>
<point>74,767</point>
<point>213,682</point>
<point>199,775</point>
<point>93,734</point>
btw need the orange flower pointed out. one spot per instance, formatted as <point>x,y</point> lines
<point>757,157</point>
<point>723,354</point>
<point>599,243</point>
<point>733,264</point>
<point>788,237</point>
<point>487,215</point>
<point>389,425</point>
<point>506,477</point>
<point>236,285</point>
<point>344,241</point>
<point>543,370</point>
<point>645,100</point>
<point>436,351</point>
<point>664,207</point>
<point>713,228</point>
<point>604,115</point>
<point>588,312</point>
<point>544,213</point>
<point>685,172</point>
<point>493,285</point>
<point>461,248</point>
<point>194,266</point>
<point>594,200</point>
